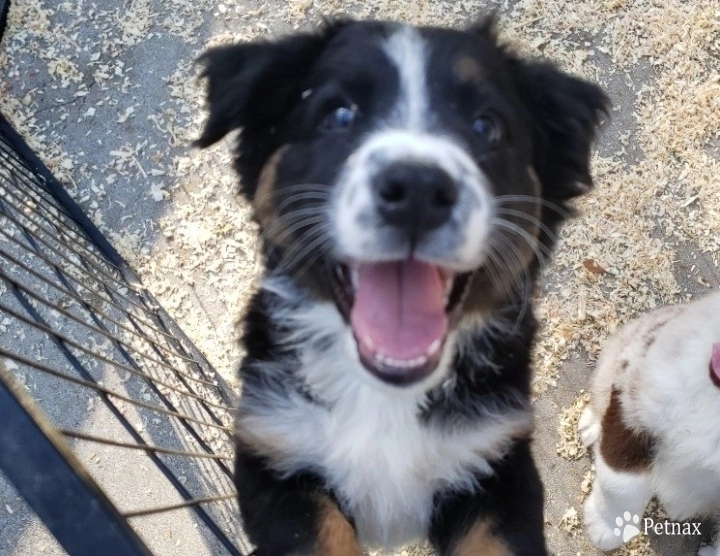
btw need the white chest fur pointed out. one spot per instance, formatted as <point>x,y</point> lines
<point>383,463</point>
<point>369,443</point>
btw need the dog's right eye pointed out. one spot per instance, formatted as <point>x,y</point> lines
<point>341,118</point>
<point>489,126</point>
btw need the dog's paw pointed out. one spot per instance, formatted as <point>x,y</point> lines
<point>709,551</point>
<point>603,532</point>
<point>588,427</point>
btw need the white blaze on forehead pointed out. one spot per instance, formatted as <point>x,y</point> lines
<point>408,52</point>
<point>407,135</point>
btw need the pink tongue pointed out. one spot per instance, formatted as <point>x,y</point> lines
<point>715,361</point>
<point>399,309</point>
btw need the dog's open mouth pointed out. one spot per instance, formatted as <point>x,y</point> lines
<point>401,313</point>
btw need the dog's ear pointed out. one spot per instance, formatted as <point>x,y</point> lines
<point>253,84</point>
<point>566,113</point>
<point>486,27</point>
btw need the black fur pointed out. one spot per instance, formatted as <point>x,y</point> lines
<point>497,380</point>
<point>253,86</point>
<point>511,500</point>
<point>280,515</point>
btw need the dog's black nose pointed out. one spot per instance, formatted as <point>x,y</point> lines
<point>415,197</point>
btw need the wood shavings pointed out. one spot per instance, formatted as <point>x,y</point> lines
<point>587,482</point>
<point>570,446</point>
<point>157,193</point>
<point>63,69</point>
<point>125,115</point>
<point>419,550</point>
<point>639,546</point>
<point>134,21</point>
<point>570,522</point>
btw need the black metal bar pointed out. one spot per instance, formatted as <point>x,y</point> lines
<point>65,259</point>
<point>102,332</point>
<point>169,475</point>
<point>39,323</point>
<point>148,448</point>
<point>54,187</point>
<point>102,389</point>
<point>152,382</point>
<point>159,315</point>
<point>174,332</point>
<point>189,503</point>
<point>44,199</point>
<point>54,483</point>
<point>4,7</point>
<point>70,293</point>
<point>52,225</point>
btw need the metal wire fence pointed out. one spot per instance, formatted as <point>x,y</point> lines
<point>146,417</point>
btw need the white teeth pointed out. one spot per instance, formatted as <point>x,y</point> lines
<point>406,363</point>
<point>433,349</point>
<point>449,281</point>
<point>401,363</point>
<point>367,340</point>
<point>354,277</point>
<point>338,272</point>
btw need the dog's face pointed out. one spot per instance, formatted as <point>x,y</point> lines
<point>413,176</point>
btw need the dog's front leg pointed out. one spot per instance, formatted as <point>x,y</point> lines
<point>503,517</point>
<point>291,516</point>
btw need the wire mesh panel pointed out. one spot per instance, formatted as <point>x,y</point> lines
<point>4,8</point>
<point>144,412</point>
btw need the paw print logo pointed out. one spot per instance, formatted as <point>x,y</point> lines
<point>627,526</point>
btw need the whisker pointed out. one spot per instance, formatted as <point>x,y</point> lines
<point>535,200</point>
<point>496,272</point>
<point>313,225</point>
<point>532,219</point>
<point>523,286</point>
<point>302,187</point>
<point>511,267</point>
<point>312,212</point>
<point>302,196</point>
<point>495,154</point>
<point>306,243</point>
<point>288,231</point>
<point>320,250</point>
<point>541,251</point>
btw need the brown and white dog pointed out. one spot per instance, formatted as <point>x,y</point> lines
<point>409,183</point>
<point>654,421</point>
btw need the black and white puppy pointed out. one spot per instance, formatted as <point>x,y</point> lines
<point>407,182</point>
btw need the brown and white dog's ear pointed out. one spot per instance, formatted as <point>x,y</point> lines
<point>252,84</point>
<point>566,114</point>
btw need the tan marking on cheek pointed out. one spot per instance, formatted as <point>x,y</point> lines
<point>264,200</point>
<point>527,245</point>
<point>537,185</point>
<point>468,70</point>
<point>519,249</point>
<point>336,537</point>
<point>624,449</point>
<point>481,540</point>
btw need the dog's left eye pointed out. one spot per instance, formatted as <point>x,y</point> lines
<point>489,126</point>
<point>341,118</point>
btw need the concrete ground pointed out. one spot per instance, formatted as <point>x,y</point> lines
<point>106,93</point>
